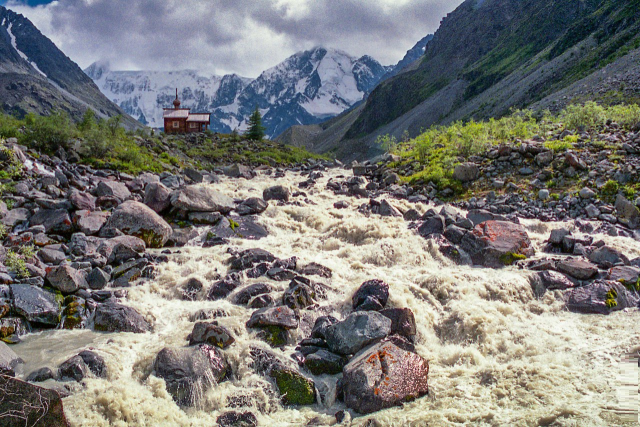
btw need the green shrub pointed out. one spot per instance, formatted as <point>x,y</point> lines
<point>16,263</point>
<point>558,146</point>
<point>48,133</point>
<point>610,188</point>
<point>583,117</point>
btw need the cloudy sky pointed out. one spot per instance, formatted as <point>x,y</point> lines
<point>228,36</point>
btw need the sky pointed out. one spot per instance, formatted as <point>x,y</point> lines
<point>228,36</point>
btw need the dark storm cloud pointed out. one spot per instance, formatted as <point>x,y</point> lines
<point>221,36</point>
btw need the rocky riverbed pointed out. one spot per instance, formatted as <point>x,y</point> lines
<point>307,296</point>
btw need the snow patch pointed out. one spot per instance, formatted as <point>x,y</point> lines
<point>22,55</point>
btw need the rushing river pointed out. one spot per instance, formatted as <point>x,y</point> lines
<point>498,355</point>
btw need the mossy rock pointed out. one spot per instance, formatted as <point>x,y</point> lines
<point>275,336</point>
<point>510,258</point>
<point>294,388</point>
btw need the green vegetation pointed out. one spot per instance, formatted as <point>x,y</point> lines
<point>433,155</point>
<point>294,388</point>
<point>255,132</point>
<point>558,146</point>
<point>104,144</point>
<point>611,298</point>
<point>610,188</point>
<point>16,263</point>
<point>510,258</point>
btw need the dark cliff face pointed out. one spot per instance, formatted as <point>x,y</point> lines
<point>37,77</point>
<point>489,56</point>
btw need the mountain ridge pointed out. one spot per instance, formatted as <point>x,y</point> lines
<point>36,77</point>
<point>306,88</point>
<point>485,59</point>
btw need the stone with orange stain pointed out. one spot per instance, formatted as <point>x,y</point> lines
<point>493,243</point>
<point>384,375</point>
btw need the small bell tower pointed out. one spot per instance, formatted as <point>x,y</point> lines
<point>176,102</point>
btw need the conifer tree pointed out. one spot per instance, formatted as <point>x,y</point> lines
<point>255,131</point>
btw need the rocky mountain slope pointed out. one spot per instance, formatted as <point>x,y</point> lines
<point>486,58</point>
<point>36,77</point>
<point>306,88</point>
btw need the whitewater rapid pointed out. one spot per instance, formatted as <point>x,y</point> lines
<point>498,355</point>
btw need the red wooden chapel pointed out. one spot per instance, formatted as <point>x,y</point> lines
<point>182,120</point>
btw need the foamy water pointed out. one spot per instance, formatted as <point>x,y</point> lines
<point>498,355</point>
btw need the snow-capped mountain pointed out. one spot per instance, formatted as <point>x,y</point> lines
<point>306,88</point>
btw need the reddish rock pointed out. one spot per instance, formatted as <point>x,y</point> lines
<point>497,243</point>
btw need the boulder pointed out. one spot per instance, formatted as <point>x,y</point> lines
<point>314,269</point>
<point>9,361</point>
<point>98,279</point>
<point>53,220</point>
<point>277,192</point>
<point>73,369</point>
<point>294,388</point>
<point>15,217</point>
<point>324,362</point>
<point>190,372</point>
<point>135,219</point>
<point>113,317</point>
<point>237,419</point>
<point>239,171</point>
<point>51,256</point>
<point>210,333</point>
<point>199,198</point>
<point>246,294</point>
<point>281,316</point>
<point>249,257</point>
<point>113,189</point>
<point>25,404</point>
<point>66,279</point>
<point>403,321</point>
<point>320,326</point>
<point>94,362</point>
<point>432,225</point>
<point>466,172</point>
<point>627,275</point>
<point>356,331</point>
<point>601,297</point>
<point>607,257</point>
<point>157,197</point>
<point>552,280</point>
<point>383,376</point>
<point>496,244</point>
<point>252,206</point>
<point>82,201</point>
<point>587,193</point>
<point>41,375</point>
<point>371,295</point>
<point>578,268</point>
<point>194,175</point>
<point>386,209</point>
<point>627,212</point>
<point>36,304</point>
<point>478,216</point>
<point>89,222</point>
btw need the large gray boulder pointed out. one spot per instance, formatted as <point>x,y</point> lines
<point>383,376</point>
<point>53,220</point>
<point>9,361</point>
<point>277,192</point>
<point>66,279</point>
<point>601,297</point>
<point>628,213</point>
<point>577,268</point>
<point>497,244</point>
<point>137,219</point>
<point>15,217</point>
<point>189,372</point>
<point>201,198</point>
<point>281,316</point>
<point>113,189</point>
<point>466,172</point>
<point>35,304</point>
<point>356,331</point>
<point>113,317</point>
<point>157,196</point>
<point>24,404</point>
